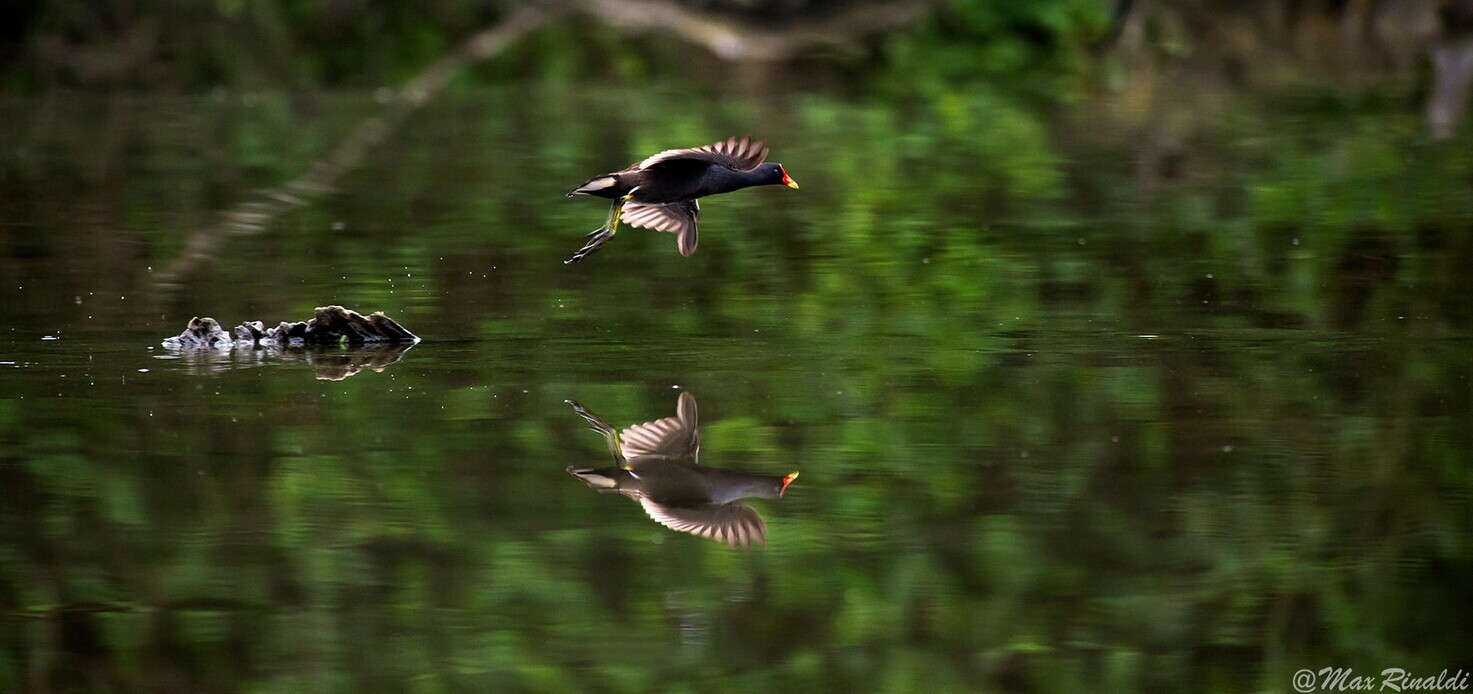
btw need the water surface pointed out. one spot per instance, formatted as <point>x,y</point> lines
<point>1077,405</point>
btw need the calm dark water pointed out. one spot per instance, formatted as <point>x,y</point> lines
<point>1082,401</point>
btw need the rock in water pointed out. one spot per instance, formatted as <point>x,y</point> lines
<point>250,331</point>
<point>201,332</point>
<point>332,325</point>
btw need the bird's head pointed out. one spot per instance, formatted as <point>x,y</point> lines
<point>787,480</point>
<point>774,173</point>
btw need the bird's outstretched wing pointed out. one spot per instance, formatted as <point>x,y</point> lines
<point>678,218</point>
<point>735,524</point>
<point>737,154</point>
<point>671,437</point>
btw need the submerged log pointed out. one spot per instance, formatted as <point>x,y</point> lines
<point>331,325</point>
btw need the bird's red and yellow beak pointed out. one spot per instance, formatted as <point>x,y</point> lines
<point>788,181</point>
<point>788,478</point>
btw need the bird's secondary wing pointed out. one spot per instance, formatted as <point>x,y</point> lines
<point>737,154</point>
<point>674,217</point>
<point>735,524</point>
<point>671,437</point>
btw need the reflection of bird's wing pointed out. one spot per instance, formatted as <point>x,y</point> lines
<point>737,154</point>
<point>735,524</point>
<point>671,437</point>
<point>674,217</point>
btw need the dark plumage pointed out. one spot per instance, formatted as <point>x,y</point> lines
<point>660,192</point>
<point>656,464</point>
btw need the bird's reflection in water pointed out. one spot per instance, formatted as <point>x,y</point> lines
<point>657,464</point>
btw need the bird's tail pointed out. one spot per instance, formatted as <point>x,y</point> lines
<point>598,185</point>
<point>605,479</point>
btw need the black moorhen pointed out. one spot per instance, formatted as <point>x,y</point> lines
<point>660,192</point>
<point>656,464</point>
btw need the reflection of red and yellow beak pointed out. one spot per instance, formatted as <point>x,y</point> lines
<point>788,180</point>
<point>787,479</point>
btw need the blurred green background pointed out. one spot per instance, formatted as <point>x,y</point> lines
<point>1122,346</point>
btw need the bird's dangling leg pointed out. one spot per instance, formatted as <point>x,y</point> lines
<point>600,236</point>
<point>610,434</point>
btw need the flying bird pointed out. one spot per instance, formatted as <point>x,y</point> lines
<point>660,192</point>
<point>656,464</point>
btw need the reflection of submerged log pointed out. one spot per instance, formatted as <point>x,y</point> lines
<point>338,364</point>
<point>254,215</point>
<point>1442,32</point>
<point>1184,51</point>
<point>332,325</point>
<point>734,40</point>
<point>1452,81</point>
<point>328,362</point>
